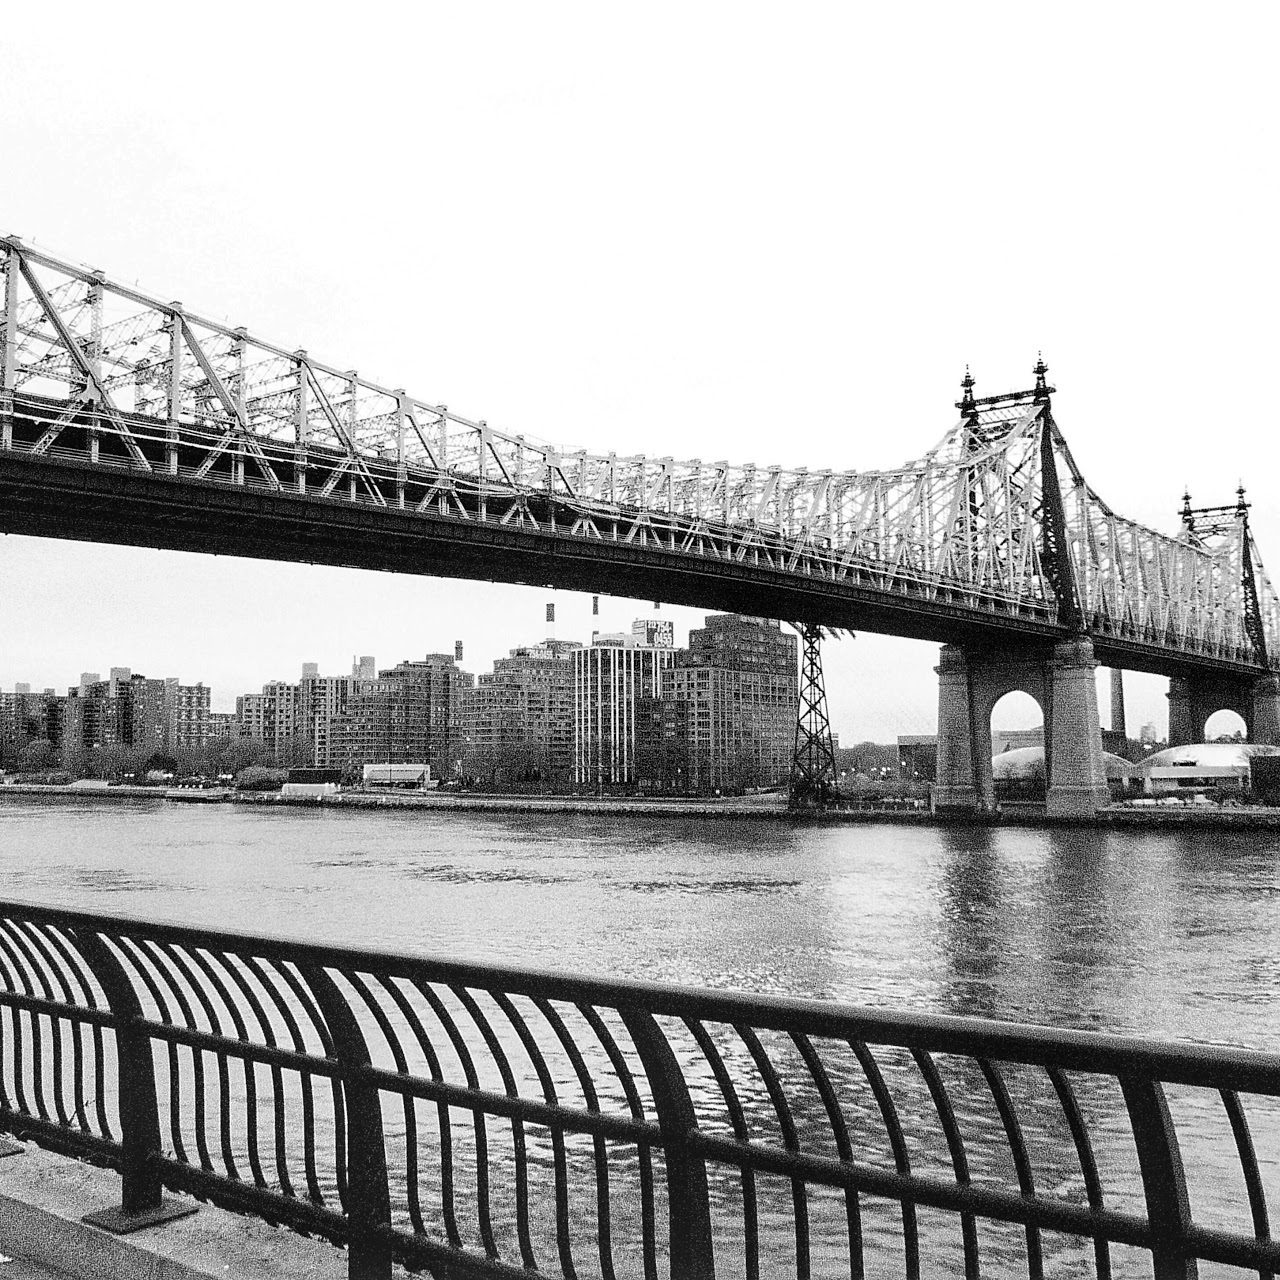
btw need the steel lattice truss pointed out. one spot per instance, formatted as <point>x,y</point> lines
<point>996,518</point>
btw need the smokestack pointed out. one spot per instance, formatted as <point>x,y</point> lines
<point>595,606</point>
<point>457,651</point>
<point>1117,702</point>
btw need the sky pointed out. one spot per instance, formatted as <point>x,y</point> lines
<point>773,234</point>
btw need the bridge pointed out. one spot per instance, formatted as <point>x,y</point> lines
<point>130,420</point>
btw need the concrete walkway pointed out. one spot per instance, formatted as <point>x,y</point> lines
<point>13,1268</point>
<point>44,1196</point>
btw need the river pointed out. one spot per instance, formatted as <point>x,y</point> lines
<point>1165,933</point>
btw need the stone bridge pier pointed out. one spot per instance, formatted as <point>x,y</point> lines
<point>1061,680</point>
<point>1193,699</point>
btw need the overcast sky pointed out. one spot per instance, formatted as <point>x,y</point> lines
<point>769,234</point>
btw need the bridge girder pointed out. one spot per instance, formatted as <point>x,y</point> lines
<point>994,532</point>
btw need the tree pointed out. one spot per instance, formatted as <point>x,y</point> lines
<point>158,762</point>
<point>295,752</point>
<point>113,760</point>
<point>36,756</point>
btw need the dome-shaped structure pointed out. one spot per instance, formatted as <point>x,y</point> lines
<point>1026,765</point>
<point>1207,767</point>
<point>1209,755</point>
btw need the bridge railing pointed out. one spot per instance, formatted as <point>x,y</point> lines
<point>476,1120</point>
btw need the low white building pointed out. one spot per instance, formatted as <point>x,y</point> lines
<point>397,775</point>
<point>1202,767</point>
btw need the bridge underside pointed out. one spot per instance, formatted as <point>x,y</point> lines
<point>54,498</point>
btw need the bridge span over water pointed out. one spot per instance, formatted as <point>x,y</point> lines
<point>130,420</point>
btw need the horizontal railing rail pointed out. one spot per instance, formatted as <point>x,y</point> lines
<point>483,1120</point>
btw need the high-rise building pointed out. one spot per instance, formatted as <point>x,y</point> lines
<point>320,700</point>
<point>146,715</point>
<point>269,717</point>
<point>518,719</point>
<point>724,718</point>
<point>609,680</point>
<point>25,717</point>
<point>188,709</point>
<point>410,713</point>
<point>126,710</point>
<point>222,724</point>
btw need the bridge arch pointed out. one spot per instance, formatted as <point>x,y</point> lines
<point>1062,682</point>
<point>1018,678</point>
<point>1014,717</point>
<point>1194,702</point>
<point>1226,722</point>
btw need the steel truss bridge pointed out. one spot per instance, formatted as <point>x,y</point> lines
<point>129,420</point>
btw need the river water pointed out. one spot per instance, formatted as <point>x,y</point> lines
<point>1164,933</point>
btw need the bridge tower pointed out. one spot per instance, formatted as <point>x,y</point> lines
<point>813,764</point>
<point>1255,699</point>
<point>972,679</point>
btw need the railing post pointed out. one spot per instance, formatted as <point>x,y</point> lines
<point>142,1203</point>
<point>688,1204</point>
<point>368,1205</point>
<point>1163,1182</point>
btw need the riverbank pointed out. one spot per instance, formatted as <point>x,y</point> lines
<point>770,807</point>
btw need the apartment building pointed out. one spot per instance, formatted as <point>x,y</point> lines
<point>518,719</point>
<point>724,718</point>
<point>610,678</point>
<point>409,713</point>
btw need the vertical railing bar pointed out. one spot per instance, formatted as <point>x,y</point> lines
<point>172,984</point>
<point>604,1201</point>
<point>211,962</point>
<point>443,1118</point>
<point>1088,1165</point>
<point>19,1088</point>
<point>790,1139</point>
<point>1249,1167</point>
<point>408,1105</point>
<point>482,1024</point>
<point>308,1004</point>
<point>1021,1162</point>
<point>6,1102</point>
<point>252,968</point>
<point>279,1111</point>
<point>144,965</point>
<point>959,1161</point>
<point>141,1198</point>
<point>58,1025</point>
<point>648,1214</point>
<point>1163,1181</point>
<point>738,1121</point>
<point>49,962</point>
<point>688,1204</point>
<point>897,1143</point>
<point>40,970</point>
<point>480,1132</point>
<point>19,1070</point>
<point>182,957</point>
<point>58,943</point>
<point>459,1043</point>
<point>558,1160</point>
<point>368,1196</point>
<point>844,1146</point>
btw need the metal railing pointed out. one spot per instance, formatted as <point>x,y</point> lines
<point>477,1120</point>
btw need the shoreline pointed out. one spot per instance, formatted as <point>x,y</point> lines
<point>1251,818</point>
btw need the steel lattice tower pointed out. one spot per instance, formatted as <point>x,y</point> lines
<point>813,766</point>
